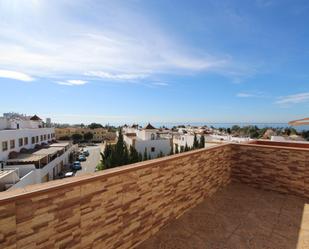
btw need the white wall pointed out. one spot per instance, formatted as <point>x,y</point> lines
<point>159,145</point>
<point>182,140</point>
<point>7,135</point>
<point>3,123</point>
<point>128,140</point>
<point>228,138</point>
<point>35,176</point>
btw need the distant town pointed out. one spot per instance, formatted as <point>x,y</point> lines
<point>35,151</point>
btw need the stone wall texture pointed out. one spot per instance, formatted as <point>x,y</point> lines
<point>121,207</point>
<point>116,209</point>
<point>279,168</point>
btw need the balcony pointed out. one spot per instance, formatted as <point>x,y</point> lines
<point>229,196</point>
<point>239,216</point>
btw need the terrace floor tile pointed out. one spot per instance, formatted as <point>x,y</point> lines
<point>238,217</point>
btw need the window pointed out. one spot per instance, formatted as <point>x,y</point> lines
<point>41,138</point>
<point>4,146</point>
<point>25,140</point>
<point>20,142</point>
<point>12,144</point>
<point>152,136</point>
<point>153,149</point>
<point>48,136</point>
<point>45,137</point>
<point>33,140</point>
<point>37,139</point>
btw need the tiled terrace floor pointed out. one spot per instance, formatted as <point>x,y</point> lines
<point>239,217</point>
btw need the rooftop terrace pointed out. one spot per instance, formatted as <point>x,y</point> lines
<point>241,217</point>
<point>229,196</point>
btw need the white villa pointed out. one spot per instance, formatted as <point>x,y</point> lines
<point>149,138</point>
<point>27,152</point>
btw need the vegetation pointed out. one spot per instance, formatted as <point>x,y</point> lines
<point>95,126</point>
<point>88,136</point>
<point>76,137</point>
<point>253,131</point>
<point>195,142</point>
<point>119,155</point>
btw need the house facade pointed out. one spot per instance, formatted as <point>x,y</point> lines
<point>147,138</point>
<point>20,132</point>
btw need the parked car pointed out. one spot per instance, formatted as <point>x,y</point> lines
<point>69,174</point>
<point>76,165</point>
<point>86,153</point>
<point>81,158</point>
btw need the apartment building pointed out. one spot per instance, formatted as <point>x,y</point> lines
<point>146,138</point>
<point>98,133</point>
<point>19,132</point>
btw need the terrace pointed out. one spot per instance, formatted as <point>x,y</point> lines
<point>239,216</point>
<point>229,196</point>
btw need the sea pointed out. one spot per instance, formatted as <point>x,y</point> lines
<point>229,125</point>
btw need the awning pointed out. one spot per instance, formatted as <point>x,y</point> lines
<point>299,122</point>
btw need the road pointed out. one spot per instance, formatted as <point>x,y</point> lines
<point>92,160</point>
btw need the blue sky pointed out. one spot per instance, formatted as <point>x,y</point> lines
<point>155,60</point>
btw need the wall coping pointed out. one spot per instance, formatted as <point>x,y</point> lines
<point>274,146</point>
<point>36,189</point>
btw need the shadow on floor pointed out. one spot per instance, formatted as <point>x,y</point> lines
<point>239,217</point>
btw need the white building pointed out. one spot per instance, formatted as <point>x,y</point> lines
<point>181,140</point>
<point>19,165</point>
<point>19,132</point>
<point>147,138</point>
<point>40,166</point>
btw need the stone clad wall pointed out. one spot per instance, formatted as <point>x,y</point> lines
<point>121,207</point>
<point>280,169</point>
<point>118,208</point>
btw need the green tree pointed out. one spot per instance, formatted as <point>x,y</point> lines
<point>134,157</point>
<point>140,157</point>
<point>182,149</point>
<point>235,128</point>
<point>77,137</point>
<point>119,156</point>
<point>64,138</point>
<point>95,126</point>
<point>88,136</point>
<point>187,147</point>
<point>176,149</point>
<point>145,157</point>
<point>202,142</point>
<point>172,150</point>
<point>305,134</point>
<point>195,142</point>
<point>125,156</point>
<point>161,154</point>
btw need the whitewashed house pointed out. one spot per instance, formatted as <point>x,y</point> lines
<point>19,164</point>
<point>22,132</point>
<point>146,138</point>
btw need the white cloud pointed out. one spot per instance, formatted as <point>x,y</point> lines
<point>113,76</point>
<point>254,94</point>
<point>72,82</point>
<point>160,83</point>
<point>244,95</point>
<point>117,50</point>
<point>8,74</point>
<point>293,99</point>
